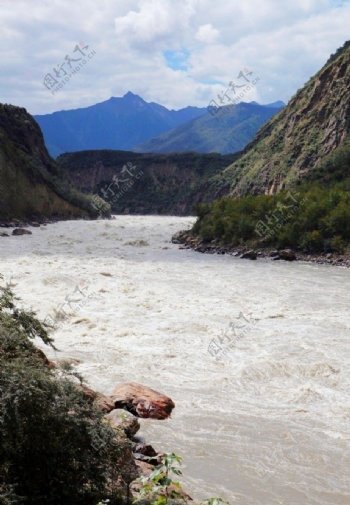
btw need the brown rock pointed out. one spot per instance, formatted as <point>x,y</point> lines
<point>120,418</point>
<point>249,255</point>
<point>145,452</point>
<point>287,255</point>
<point>102,402</point>
<point>144,449</point>
<point>21,231</point>
<point>142,401</point>
<point>145,468</point>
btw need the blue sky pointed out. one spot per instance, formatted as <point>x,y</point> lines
<point>177,60</point>
<point>174,52</point>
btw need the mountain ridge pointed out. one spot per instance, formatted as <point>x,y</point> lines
<point>116,123</point>
<point>129,123</point>
<point>30,182</point>
<point>227,131</point>
<point>297,139</point>
<point>143,183</point>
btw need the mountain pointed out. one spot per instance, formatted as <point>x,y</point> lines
<point>30,184</point>
<point>295,142</point>
<point>143,183</point>
<point>118,123</point>
<point>277,105</point>
<point>227,131</point>
<point>290,188</point>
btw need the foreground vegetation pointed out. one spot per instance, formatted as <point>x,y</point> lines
<point>314,217</point>
<point>55,447</point>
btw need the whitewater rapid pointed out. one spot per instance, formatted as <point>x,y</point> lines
<point>265,421</point>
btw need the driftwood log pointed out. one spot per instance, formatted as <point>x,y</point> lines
<point>142,401</point>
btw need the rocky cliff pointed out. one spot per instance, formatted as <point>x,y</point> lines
<point>144,183</point>
<point>290,146</point>
<point>30,184</point>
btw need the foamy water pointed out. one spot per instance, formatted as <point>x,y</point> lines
<point>267,423</point>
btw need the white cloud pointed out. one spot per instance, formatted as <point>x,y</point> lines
<point>207,34</point>
<point>155,21</point>
<point>283,42</point>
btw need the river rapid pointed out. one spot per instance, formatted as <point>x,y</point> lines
<point>255,354</point>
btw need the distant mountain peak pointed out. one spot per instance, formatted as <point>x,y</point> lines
<point>121,122</point>
<point>131,96</point>
<point>230,131</point>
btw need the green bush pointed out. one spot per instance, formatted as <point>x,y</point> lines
<point>313,219</point>
<point>312,241</point>
<point>55,447</point>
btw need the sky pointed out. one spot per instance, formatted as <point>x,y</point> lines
<point>173,52</point>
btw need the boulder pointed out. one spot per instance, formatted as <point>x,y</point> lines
<point>102,402</point>
<point>144,449</point>
<point>287,255</point>
<point>119,418</point>
<point>142,401</point>
<point>21,231</point>
<point>4,234</point>
<point>145,470</point>
<point>179,237</point>
<point>249,255</point>
<point>145,452</point>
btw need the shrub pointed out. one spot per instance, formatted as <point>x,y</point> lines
<point>55,447</point>
<point>314,219</point>
<point>312,241</point>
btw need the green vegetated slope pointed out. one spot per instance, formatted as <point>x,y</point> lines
<point>291,185</point>
<point>30,184</point>
<point>228,130</point>
<point>313,217</point>
<point>314,123</point>
<point>144,183</point>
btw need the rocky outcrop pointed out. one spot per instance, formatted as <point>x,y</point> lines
<point>290,146</point>
<point>31,187</point>
<point>142,401</point>
<point>144,183</point>
<point>101,401</point>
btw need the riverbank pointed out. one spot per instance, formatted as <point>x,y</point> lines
<point>188,241</point>
<point>19,227</point>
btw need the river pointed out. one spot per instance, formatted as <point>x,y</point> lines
<point>255,354</point>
